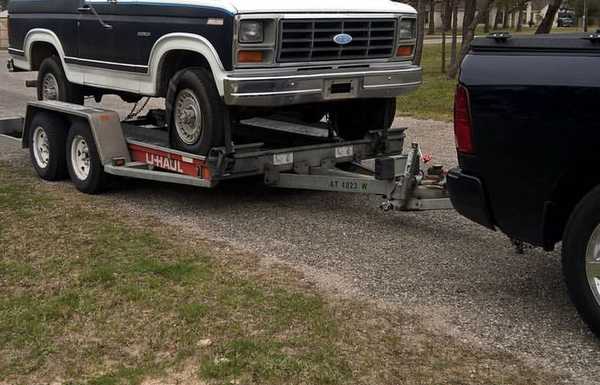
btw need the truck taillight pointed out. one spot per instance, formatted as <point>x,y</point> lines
<point>463,129</point>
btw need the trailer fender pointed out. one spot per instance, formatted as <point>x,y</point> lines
<point>104,124</point>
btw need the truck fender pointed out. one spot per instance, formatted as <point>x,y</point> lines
<point>184,42</point>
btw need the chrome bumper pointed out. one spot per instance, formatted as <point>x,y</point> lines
<point>288,87</point>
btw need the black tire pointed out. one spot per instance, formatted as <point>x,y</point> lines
<point>95,180</point>
<point>67,92</point>
<point>200,83</point>
<point>583,223</point>
<point>354,118</point>
<point>50,164</point>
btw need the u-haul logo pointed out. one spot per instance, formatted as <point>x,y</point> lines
<point>164,163</point>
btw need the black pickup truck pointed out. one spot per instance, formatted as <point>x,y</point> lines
<point>528,138</point>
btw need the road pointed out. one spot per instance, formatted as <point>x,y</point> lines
<point>461,279</point>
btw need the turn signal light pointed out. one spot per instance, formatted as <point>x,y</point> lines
<point>405,51</point>
<point>463,129</point>
<point>251,57</point>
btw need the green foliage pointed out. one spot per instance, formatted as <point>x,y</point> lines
<point>434,99</point>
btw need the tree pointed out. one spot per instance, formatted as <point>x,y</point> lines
<point>498,19</point>
<point>420,31</point>
<point>548,20</point>
<point>447,6</point>
<point>3,4</point>
<point>469,35</point>
<point>454,44</point>
<point>431,17</point>
<point>521,6</point>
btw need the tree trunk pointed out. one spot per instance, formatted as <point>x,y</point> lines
<point>548,20</point>
<point>420,31</point>
<point>486,27</point>
<point>505,18</point>
<point>497,19</point>
<point>520,20</point>
<point>446,21</point>
<point>443,51</point>
<point>468,38</point>
<point>431,30</point>
<point>454,34</point>
<point>469,15</point>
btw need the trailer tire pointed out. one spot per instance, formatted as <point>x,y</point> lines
<point>353,119</point>
<point>581,247</point>
<point>195,112</point>
<point>46,138</point>
<point>52,83</point>
<point>83,162</point>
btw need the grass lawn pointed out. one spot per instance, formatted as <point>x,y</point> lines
<point>435,98</point>
<point>93,295</point>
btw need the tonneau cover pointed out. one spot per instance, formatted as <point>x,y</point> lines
<point>571,42</point>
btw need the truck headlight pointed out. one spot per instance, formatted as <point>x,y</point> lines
<point>251,32</point>
<point>407,29</point>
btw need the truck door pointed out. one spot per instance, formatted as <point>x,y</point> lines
<point>108,42</point>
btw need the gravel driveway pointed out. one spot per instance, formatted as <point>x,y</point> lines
<point>462,279</point>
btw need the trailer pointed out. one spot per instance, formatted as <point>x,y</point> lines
<point>90,144</point>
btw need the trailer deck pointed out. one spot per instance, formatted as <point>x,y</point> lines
<point>296,156</point>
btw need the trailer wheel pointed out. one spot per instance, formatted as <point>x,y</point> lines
<point>352,119</point>
<point>581,259</point>
<point>47,146</point>
<point>83,162</point>
<point>52,83</point>
<point>195,112</point>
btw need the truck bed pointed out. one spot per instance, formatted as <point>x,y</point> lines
<point>533,107</point>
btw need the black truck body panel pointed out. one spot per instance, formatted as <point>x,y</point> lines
<point>534,115</point>
<point>136,26</point>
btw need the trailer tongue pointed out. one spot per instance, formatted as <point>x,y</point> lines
<point>99,143</point>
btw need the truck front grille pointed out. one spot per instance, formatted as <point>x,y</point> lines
<point>313,40</point>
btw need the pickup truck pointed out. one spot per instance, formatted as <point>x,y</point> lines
<point>215,60</point>
<point>528,135</point>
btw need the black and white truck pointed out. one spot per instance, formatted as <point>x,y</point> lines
<point>346,60</point>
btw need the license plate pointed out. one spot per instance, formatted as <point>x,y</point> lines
<point>344,152</point>
<point>282,159</point>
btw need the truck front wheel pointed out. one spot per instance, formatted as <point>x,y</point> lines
<point>195,112</point>
<point>352,119</point>
<point>581,259</point>
<point>52,83</point>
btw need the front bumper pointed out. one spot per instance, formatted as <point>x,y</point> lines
<point>468,197</point>
<point>291,86</point>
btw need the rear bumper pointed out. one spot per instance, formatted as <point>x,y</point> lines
<point>468,198</point>
<point>289,86</point>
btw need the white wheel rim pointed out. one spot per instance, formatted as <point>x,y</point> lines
<point>80,157</point>
<point>188,117</point>
<point>41,147</point>
<point>50,87</point>
<point>592,263</point>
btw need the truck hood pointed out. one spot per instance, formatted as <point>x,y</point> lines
<point>310,6</point>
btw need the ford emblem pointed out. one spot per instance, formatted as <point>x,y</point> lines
<point>342,39</point>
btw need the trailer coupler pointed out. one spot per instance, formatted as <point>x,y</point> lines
<point>398,179</point>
